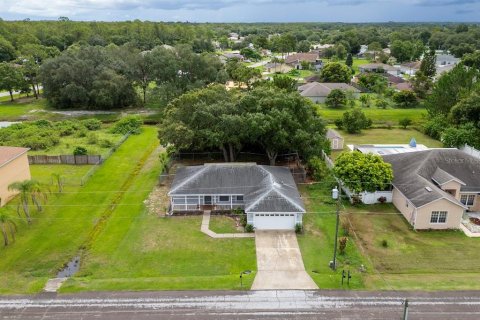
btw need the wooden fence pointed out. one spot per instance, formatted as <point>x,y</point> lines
<point>65,159</point>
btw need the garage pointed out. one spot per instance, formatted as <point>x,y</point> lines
<point>274,221</point>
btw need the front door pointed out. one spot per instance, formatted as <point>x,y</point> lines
<point>207,200</point>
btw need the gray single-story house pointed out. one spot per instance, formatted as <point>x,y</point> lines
<point>318,92</point>
<point>267,194</point>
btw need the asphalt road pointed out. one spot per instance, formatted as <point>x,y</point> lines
<point>203,305</point>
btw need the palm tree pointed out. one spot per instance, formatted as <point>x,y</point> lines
<point>59,181</point>
<point>29,190</point>
<point>8,227</point>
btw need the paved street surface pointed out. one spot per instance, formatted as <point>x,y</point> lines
<point>279,262</point>
<point>293,304</point>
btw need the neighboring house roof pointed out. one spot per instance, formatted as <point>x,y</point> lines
<point>414,65</point>
<point>333,134</point>
<point>298,57</point>
<point>444,68</point>
<point>404,86</point>
<point>394,79</point>
<point>317,89</point>
<point>441,177</point>
<point>416,171</point>
<point>377,66</point>
<point>314,78</point>
<point>265,188</point>
<point>446,59</point>
<point>8,154</point>
<point>233,55</point>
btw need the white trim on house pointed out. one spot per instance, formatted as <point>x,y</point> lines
<point>453,179</point>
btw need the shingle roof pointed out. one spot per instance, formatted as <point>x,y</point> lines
<point>376,66</point>
<point>317,89</point>
<point>333,134</point>
<point>415,171</point>
<point>265,188</point>
<point>297,57</point>
<point>8,154</point>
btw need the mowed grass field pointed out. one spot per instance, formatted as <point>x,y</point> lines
<point>10,111</point>
<point>414,260</point>
<point>378,116</point>
<point>317,241</point>
<point>69,219</point>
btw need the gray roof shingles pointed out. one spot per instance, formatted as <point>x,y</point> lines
<point>265,188</point>
<point>415,171</point>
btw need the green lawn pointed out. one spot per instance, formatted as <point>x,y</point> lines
<point>378,116</point>
<point>10,111</point>
<point>316,244</point>
<point>71,220</point>
<point>222,224</point>
<point>71,175</point>
<point>140,251</point>
<point>415,260</point>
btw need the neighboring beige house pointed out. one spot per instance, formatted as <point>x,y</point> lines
<point>336,140</point>
<point>277,67</point>
<point>295,60</point>
<point>318,92</point>
<point>13,167</point>
<point>434,188</point>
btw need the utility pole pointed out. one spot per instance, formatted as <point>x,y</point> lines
<point>336,194</point>
<point>405,310</point>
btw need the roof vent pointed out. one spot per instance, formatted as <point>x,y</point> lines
<point>428,189</point>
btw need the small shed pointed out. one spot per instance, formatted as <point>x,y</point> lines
<point>336,140</point>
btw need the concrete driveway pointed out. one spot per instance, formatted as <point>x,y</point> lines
<point>279,262</point>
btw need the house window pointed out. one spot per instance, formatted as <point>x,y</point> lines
<point>467,199</point>
<point>239,198</point>
<point>224,198</point>
<point>438,217</point>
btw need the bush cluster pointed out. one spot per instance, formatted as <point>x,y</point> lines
<point>128,124</point>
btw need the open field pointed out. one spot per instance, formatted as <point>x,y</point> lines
<point>69,220</point>
<point>414,260</point>
<point>10,111</point>
<point>378,116</point>
<point>93,141</point>
<point>316,244</point>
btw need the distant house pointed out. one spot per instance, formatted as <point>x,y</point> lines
<point>233,55</point>
<point>410,68</point>
<point>444,59</point>
<point>274,67</point>
<point>318,92</point>
<point>434,188</point>
<point>13,167</point>
<point>295,60</point>
<point>267,194</point>
<point>379,68</point>
<point>336,140</point>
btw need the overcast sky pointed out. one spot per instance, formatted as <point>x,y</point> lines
<point>245,10</point>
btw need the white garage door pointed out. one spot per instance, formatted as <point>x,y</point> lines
<point>271,221</point>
